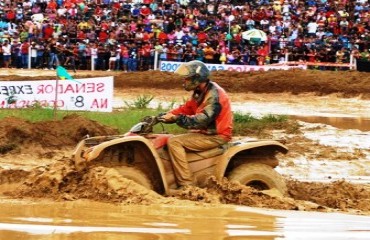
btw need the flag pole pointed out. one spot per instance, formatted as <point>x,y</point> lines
<point>56,97</point>
<point>62,74</point>
<point>56,87</point>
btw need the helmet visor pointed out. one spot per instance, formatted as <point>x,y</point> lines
<point>183,70</point>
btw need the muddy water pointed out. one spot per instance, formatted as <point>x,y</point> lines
<point>362,124</point>
<point>90,220</point>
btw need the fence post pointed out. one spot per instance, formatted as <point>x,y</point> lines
<point>352,62</point>
<point>155,60</point>
<point>92,62</point>
<point>286,56</point>
<point>29,56</point>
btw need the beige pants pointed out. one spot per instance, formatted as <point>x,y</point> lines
<point>179,144</point>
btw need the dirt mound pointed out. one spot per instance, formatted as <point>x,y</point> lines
<point>15,132</point>
<point>61,181</point>
<point>343,83</point>
<point>346,83</point>
<point>339,194</point>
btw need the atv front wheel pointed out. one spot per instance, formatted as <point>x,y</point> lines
<point>134,175</point>
<point>259,176</point>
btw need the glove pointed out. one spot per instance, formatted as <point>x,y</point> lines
<point>167,118</point>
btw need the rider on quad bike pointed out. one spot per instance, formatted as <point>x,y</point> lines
<point>207,114</point>
<point>163,162</point>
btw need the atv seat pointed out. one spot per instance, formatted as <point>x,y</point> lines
<point>196,156</point>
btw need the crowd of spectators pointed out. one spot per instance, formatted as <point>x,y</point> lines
<point>126,34</point>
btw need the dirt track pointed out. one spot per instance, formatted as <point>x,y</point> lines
<point>343,83</point>
<point>33,163</point>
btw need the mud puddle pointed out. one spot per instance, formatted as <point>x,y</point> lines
<point>362,124</point>
<point>87,220</point>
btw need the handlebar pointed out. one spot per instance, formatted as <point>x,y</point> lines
<point>145,126</point>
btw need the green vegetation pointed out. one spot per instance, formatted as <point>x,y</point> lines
<point>246,124</point>
<point>141,102</point>
<point>123,120</point>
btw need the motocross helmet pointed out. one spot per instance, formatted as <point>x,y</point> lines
<point>195,71</point>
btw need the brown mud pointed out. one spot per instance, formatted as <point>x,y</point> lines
<point>36,157</point>
<point>343,83</point>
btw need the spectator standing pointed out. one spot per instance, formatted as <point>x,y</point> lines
<point>253,56</point>
<point>124,57</point>
<point>145,60</point>
<point>311,56</point>
<point>261,55</point>
<point>158,49</point>
<point>107,56</point>
<point>163,52</point>
<point>1,55</point>
<point>71,53</point>
<point>245,55</point>
<point>43,54</point>
<point>340,56</point>
<point>53,47</point>
<point>172,52</point>
<point>365,55</point>
<point>179,52</point>
<point>112,59</point>
<point>133,57</point>
<point>100,60</point>
<point>16,58</point>
<point>88,54</point>
<point>199,53</point>
<point>117,52</point>
<point>236,55</point>
<point>34,48</point>
<point>24,48</point>
<point>209,53</point>
<point>188,53</point>
<point>81,54</point>
<point>355,53</point>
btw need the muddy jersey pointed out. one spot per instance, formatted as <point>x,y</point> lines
<point>208,111</point>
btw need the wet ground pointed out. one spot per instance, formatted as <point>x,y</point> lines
<point>327,170</point>
<point>86,220</point>
<point>359,123</point>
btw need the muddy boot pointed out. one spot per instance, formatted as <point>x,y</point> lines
<point>178,190</point>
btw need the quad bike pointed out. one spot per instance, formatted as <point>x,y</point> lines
<point>142,156</point>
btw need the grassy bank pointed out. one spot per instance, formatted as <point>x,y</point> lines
<point>244,124</point>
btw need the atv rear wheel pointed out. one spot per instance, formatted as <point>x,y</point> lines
<point>259,176</point>
<point>134,175</point>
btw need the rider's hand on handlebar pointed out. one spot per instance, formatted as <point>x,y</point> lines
<point>168,118</point>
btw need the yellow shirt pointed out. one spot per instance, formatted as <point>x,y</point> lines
<point>84,25</point>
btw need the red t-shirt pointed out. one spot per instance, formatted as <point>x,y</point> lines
<point>10,15</point>
<point>48,32</point>
<point>24,48</point>
<point>202,37</point>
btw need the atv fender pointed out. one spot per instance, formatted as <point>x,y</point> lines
<point>79,162</point>
<point>239,147</point>
<point>83,156</point>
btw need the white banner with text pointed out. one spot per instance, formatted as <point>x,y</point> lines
<point>169,66</point>
<point>87,94</point>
